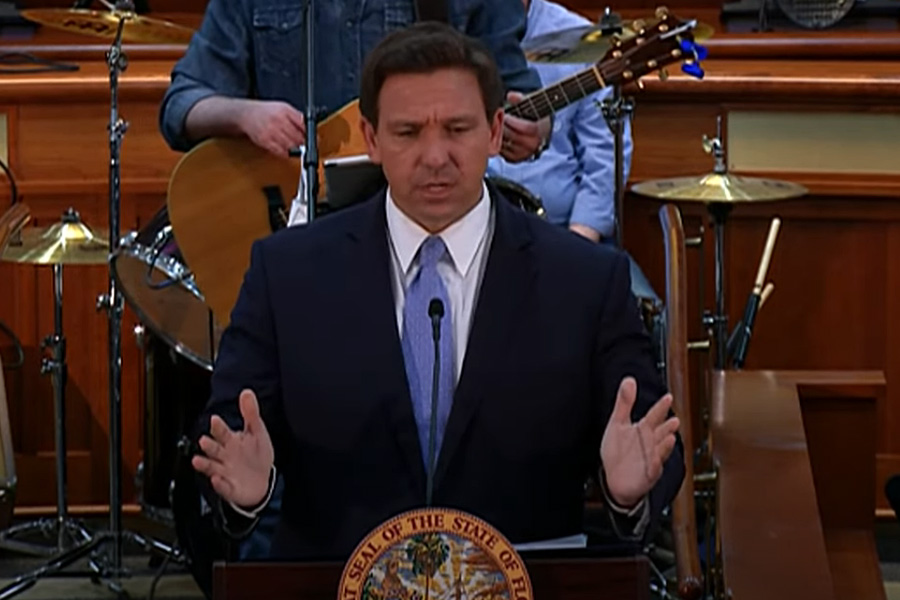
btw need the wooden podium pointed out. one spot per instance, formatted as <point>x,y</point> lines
<point>620,578</point>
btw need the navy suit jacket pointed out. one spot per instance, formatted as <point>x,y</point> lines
<point>314,334</point>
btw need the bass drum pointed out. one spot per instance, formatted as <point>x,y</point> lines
<point>175,390</point>
<point>518,194</point>
<point>199,535</point>
<point>175,393</point>
<point>159,287</point>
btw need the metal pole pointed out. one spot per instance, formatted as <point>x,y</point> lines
<point>311,160</point>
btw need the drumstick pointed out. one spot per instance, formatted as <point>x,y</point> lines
<point>755,299</point>
<point>767,255</point>
<point>767,291</point>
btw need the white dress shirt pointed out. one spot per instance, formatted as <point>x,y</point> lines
<point>468,242</point>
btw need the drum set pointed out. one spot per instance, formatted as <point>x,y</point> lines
<point>146,269</point>
<point>178,336</point>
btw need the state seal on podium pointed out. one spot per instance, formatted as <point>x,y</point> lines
<point>435,554</point>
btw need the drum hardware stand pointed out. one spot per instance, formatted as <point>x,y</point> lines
<point>69,532</point>
<point>113,304</point>
<point>107,571</point>
<point>717,322</point>
<point>617,110</point>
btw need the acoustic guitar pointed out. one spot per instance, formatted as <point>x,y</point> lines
<point>227,193</point>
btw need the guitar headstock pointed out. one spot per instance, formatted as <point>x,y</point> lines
<point>663,41</point>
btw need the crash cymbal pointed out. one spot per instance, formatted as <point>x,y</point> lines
<point>137,29</point>
<point>720,188</point>
<point>68,241</point>
<point>586,44</point>
<point>575,45</point>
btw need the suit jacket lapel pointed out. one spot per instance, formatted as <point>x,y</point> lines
<point>374,275</point>
<point>506,282</point>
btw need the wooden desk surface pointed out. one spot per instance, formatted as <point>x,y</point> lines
<point>769,518</point>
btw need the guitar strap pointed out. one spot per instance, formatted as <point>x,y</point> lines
<point>432,10</point>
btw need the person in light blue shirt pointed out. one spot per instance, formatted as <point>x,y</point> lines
<point>574,177</point>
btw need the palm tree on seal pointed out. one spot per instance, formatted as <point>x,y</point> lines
<point>427,552</point>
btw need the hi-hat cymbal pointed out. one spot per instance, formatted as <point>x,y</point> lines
<point>586,44</point>
<point>66,242</point>
<point>720,188</point>
<point>104,24</point>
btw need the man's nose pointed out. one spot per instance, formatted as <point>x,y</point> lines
<point>435,151</point>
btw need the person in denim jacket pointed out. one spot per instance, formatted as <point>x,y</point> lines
<point>243,72</point>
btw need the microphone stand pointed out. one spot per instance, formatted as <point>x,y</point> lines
<point>311,158</point>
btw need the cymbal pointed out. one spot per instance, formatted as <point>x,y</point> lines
<point>104,24</point>
<point>574,45</point>
<point>68,241</point>
<point>720,188</point>
<point>586,44</point>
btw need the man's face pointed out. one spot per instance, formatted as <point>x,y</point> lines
<point>433,141</point>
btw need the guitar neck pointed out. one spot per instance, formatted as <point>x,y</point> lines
<point>546,101</point>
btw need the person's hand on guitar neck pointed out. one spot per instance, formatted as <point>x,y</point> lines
<point>238,463</point>
<point>272,125</point>
<point>522,139</point>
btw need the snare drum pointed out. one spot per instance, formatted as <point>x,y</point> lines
<point>157,284</point>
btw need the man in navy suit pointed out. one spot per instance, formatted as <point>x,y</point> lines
<point>545,373</point>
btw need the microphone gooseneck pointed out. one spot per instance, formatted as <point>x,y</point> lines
<point>435,313</point>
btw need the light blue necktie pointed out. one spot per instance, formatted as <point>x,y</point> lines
<point>418,346</point>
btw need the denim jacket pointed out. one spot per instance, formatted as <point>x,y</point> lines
<point>257,49</point>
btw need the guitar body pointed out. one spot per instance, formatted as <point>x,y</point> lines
<point>219,202</point>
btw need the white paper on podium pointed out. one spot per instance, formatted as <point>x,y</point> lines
<point>299,211</point>
<point>571,541</point>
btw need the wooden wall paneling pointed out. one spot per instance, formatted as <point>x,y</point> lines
<point>61,160</point>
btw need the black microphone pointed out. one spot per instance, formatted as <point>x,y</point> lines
<point>435,313</point>
<point>892,491</point>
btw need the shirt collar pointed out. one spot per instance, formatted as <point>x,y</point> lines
<point>462,237</point>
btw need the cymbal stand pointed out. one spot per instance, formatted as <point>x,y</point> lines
<point>68,532</point>
<point>112,302</point>
<point>617,110</point>
<point>719,211</point>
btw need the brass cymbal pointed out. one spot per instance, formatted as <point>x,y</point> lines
<point>586,44</point>
<point>720,188</point>
<point>137,29</point>
<point>68,241</point>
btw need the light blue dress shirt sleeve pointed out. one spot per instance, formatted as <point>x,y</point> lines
<point>594,144</point>
<point>575,177</point>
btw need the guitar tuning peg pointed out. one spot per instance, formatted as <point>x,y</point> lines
<point>693,69</point>
<point>662,12</point>
<point>690,47</point>
<point>638,25</point>
<point>700,52</point>
<point>663,74</point>
<point>640,83</point>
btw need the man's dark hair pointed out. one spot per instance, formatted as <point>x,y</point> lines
<point>426,47</point>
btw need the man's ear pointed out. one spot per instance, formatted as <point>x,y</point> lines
<point>496,132</point>
<point>368,131</point>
